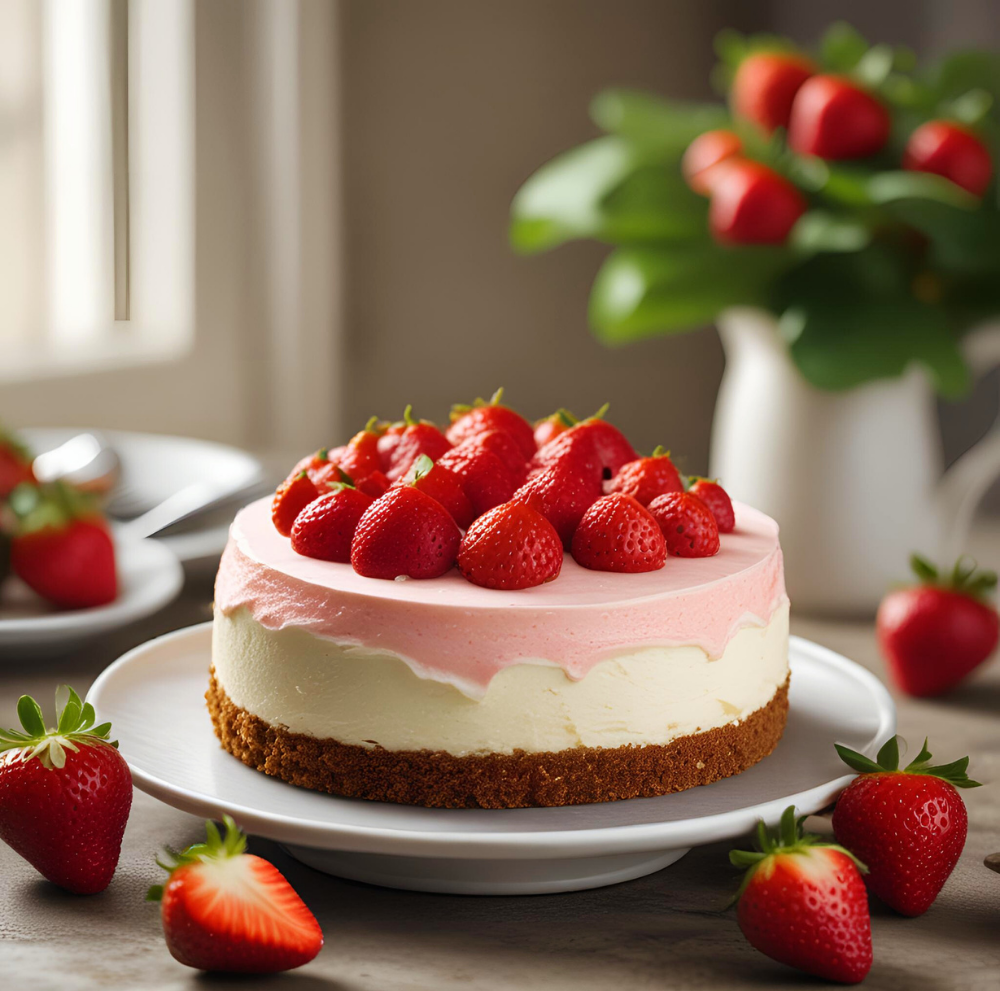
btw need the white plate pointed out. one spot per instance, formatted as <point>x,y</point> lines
<point>155,466</point>
<point>154,696</point>
<point>149,577</point>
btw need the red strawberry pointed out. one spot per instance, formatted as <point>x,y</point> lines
<point>65,795</point>
<point>551,426</point>
<point>405,532</point>
<point>361,457</point>
<point>15,464</point>
<point>61,547</point>
<point>325,528</point>
<point>318,466</point>
<point>562,495</point>
<point>618,534</point>
<point>485,479</point>
<point>752,204</point>
<point>226,910</point>
<point>803,903</point>
<point>933,634</point>
<point>374,484</point>
<point>834,119</point>
<point>442,484</point>
<point>713,495</point>
<point>646,478</point>
<point>947,149</point>
<point>505,448</point>
<point>704,153</point>
<point>575,450</point>
<point>608,443</point>
<point>510,547</point>
<point>389,441</point>
<point>418,437</point>
<point>467,421</point>
<point>765,85</point>
<point>688,525</point>
<point>909,826</point>
<point>293,495</point>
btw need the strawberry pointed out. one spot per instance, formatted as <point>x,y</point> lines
<point>512,546</point>
<point>325,528</point>
<point>388,442</point>
<point>610,446</point>
<point>713,495</point>
<point>934,633</point>
<point>562,494</point>
<point>646,478</point>
<point>418,437</point>
<point>293,495</point>
<point>319,465</point>
<point>442,484</point>
<point>65,795</point>
<point>952,151</point>
<point>765,85</point>
<point>551,426</point>
<point>61,547</point>
<point>688,525</point>
<point>15,464</point>
<point>405,532</point>
<point>226,910</point>
<point>803,903</point>
<point>574,450</point>
<point>618,534</point>
<point>752,204</point>
<point>704,153</point>
<point>374,484</point>
<point>467,421</point>
<point>908,825</point>
<point>360,458</point>
<point>834,119</point>
<point>505,448</point>
<point>485,479</point>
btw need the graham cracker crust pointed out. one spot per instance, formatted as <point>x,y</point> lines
<point>437,779</point>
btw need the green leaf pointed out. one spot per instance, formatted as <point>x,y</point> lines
<point>660,127</point>
<point>923,568</point>
<point>820,230</point>
<point>962,71</point>
<point>873,68</point>
<point>842,47</point>
<point>888,756</point>
<point>857,762</point>
<point>653,204</point>
<point>887,187</point>
<point>969,108</point>
<point>961,241</point>
<point>30,714</point>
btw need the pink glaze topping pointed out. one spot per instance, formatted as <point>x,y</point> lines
<point>450,630</point>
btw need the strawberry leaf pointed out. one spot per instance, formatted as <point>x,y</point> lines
<point>30,714</point>
<point>857,762</point>
<point>215,848</point>
<point>887,762</point>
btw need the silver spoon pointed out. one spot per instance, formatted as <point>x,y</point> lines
<point>84,461</point>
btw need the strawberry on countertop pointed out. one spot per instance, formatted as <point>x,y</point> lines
<point>418,437</point>
<point>618,534</point>
<point>646,478</point>
<point>803,903</point>
<point>325,528</point>
<point>935,633</point>
<point>713,495</point>
<point>65,795</point>
<point>61,547</point>
<point>467,421</point>
<point>688,525</point>
<point>908,825</point>
<point>227,910</point>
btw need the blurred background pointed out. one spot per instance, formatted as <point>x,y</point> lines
<point>262,223</point>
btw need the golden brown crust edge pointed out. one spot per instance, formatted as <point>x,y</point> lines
<point>497,781</point>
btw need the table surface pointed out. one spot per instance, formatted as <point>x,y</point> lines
<point>667,930</point>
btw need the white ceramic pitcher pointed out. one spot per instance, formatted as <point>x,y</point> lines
<point>855,479</point>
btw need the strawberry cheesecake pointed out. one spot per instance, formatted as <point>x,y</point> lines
<point>604,633</point>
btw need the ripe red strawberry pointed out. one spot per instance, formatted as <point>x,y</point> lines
<point>374,484</point>
<point>361,457</point>
<point>713,495</point>
<point>485,479</point>
<point>65,795</point>
<point>952,151</point>
<point>803,903</point>
<point>418,437</point>
<point>646,478</point>
<point>688,525</point>
<point>387,443</point>
<point>405,532</point>
<point>704,153</point>
<point>481,416</point>
<point>574,450</point>
<point>551,426</point>
<point>61,547</point>
<point>933,634</point>
<point>318,465</point>
<point>325,528</point>
<point>752,204</point>
<point>562,495</point>
<point>510,547</point>
<point>765,85</point>
<point>834,119</point>
<point>505,448</point>
<point>15,464</point>
<point>293,495</point>
<point>442,484</point>
<point>908,825</point>
<point>618,534</point>
<point>226,910</point>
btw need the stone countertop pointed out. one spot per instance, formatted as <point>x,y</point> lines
<point>667,930</point>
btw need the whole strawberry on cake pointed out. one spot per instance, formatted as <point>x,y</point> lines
<point>460,617</point>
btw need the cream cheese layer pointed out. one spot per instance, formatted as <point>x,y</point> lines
<point>643,695</point>
<point>448,630</point>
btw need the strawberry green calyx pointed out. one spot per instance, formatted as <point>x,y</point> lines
<point>421,467</point>
<point>788,838</point>
<point>458,410</point>
<point>601,413</point>
<point>216,847</point>
<point>54,504</point>
<point>344,481</point>
<point>965,578</point>
<point>887,761</point>
<point>75,727</point>
<point>375,426</point>
<point>660,452</point>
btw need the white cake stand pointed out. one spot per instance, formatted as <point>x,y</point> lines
<point>154,696</point>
